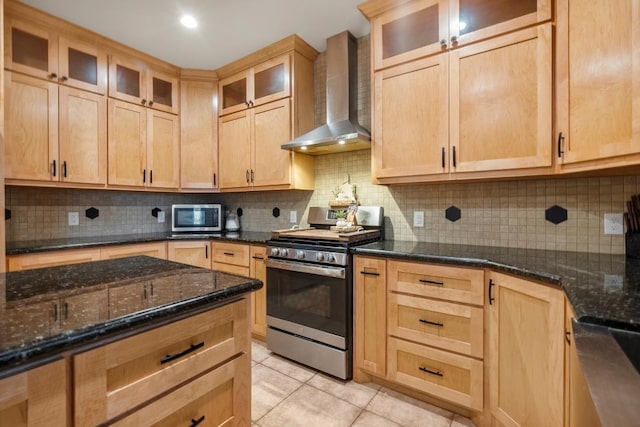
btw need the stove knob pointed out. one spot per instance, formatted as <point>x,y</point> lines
<point>275,252</point>
<point>331,258</point>
<point>300,255</point>
<point>319,256</point>
<point>283,252</point>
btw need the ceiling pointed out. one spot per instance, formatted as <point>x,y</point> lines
<point>227,30</point>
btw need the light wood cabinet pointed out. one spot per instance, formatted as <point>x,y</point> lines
<point>36,49</point>
<point>154,249</point>
<point>54,132</point>
<point>198,131</point>
<point>193,252</point>
<point>266,101</point>
<point>597,69</point>
<point>231,258</point>
<point>131,80</point>
<point>526,364</point>
<point>115,378</point>
<point>258,270</point>
<point>51,259</point>
<point>256,135</point>
<point>452,83</point>
<point>370,327</point>
<point>266,82</point>
<point>143,147</point>
<point>419,28</point>
<point>36,397</point>
<point>579,407</point>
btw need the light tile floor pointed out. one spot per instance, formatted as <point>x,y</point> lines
<point>285,394</point>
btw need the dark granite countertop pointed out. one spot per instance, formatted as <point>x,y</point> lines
<point>47,311</point>
<point>43,245</point>
<point>603,289</point>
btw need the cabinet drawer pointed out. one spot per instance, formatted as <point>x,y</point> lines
<point>216,398</point>
<point>231,253</point>
<point>117,377</point>
<point>437,281</point>
<point>453,327</point>
<point>455,378</point>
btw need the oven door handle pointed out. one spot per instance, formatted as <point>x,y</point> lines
<point>337,272</point>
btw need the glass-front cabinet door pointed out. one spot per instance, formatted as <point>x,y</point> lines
<point>408,32</point>
<point>234,93</point>
<point>162,91</point>
<point>82,65</point>
<point>127,80</point>
<point>31,49</point>
<point>271,80</point>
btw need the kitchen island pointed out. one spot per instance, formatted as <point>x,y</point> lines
<point>117,340</point>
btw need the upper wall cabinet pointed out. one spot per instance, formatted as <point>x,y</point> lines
<point>133,81</point>
<point>258,85</point>
<point>419,28</point>
<point>34,49</point>
<point>476,104</point>
<point>598,84</point>
<point>270,96</point>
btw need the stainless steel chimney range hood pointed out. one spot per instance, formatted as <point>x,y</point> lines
<point>342,131</point>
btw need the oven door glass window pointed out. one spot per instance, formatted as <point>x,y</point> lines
<point>309,300</point>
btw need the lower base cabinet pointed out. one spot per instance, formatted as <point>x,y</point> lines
<point>194,252</point>
<point>37,397</point>
<point>258,270</point>
<point>169,372</point>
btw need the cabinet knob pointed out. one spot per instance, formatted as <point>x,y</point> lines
<point>443,43</point>
<point>53,76</point>
<point>454,39</point>
<point>150,103</point>
<point>143,102</point>
<point>64,78</point>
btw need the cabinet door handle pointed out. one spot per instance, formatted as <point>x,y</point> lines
<point>64,169</point>
<point>252,180</point>
<point>567,334</point>
<point>214,180</point>
<point>246,175</point>
<point>54,167</point>
<point>560,141</point>
<point>442,157</point>
<point>151,176</point>
<point>429,371</point>
<point>431,282</point>
<point>257,257</point>
<point>428,322</point>
<point>66,310</point>
<point>191,349</point>
<point>246,103</point>
<point>443,43</point>
<point>229,253</point>
<point>151,286</point>
<point>491,285</point>
<point>144,291</point>
<point>55,312</point>
<point>370,273</point>
<point>206,252</point>
<point>454,156</point>
<point>194,423</point>
<point>144,176</point>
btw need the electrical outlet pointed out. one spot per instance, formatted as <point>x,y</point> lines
<point>293,217</point>
<point>74,218</point>
<point>613,223</point>
<point>160,216</point>
<point>418,218</point>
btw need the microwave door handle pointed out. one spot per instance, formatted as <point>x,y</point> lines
<point>336,272</point>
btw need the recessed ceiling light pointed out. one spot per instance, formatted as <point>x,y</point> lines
<point>189,21</point>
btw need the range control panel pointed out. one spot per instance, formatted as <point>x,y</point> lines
<point>308,255</point>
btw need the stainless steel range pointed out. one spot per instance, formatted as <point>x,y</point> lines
<point>310,290</point>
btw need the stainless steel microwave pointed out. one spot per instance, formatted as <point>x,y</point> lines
<point>196,217</point>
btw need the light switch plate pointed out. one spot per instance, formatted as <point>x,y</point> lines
<point>74,218</point>
<point>293,217</point>
<point>160,216</point>
<point>418,218</point>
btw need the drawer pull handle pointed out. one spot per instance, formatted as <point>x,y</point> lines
<point>194,423</point>
<point>257,257</point>
<point>370,273</point>
<point>429,371</point>
<point>431,323</point>
<point>170,357</point>
<point>229,253</point>
<point>431,282</point>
